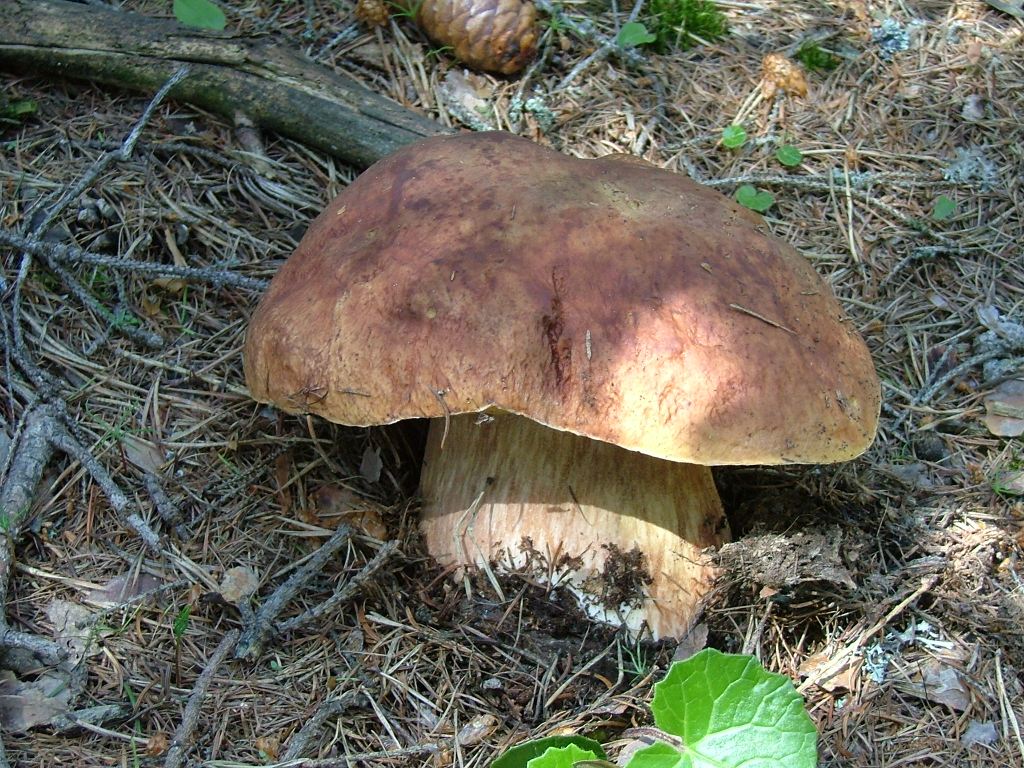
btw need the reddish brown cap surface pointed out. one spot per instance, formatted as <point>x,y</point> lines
<point>603,297</point>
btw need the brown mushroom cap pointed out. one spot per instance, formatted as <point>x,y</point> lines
<point>606,298</point>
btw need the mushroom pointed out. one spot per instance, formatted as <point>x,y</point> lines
<point>588,337</point>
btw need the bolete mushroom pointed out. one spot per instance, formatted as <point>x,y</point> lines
<point>588,337</point>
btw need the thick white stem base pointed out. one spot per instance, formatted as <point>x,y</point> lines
<point>574,512</point>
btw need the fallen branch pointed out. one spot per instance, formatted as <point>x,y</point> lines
<point>346,592</point>
<point>298,743</point>
<point>190,718</point>
<point>45,426</point>
<point>608,46</point>
<point>274,87</point>
<point>63,254</point>
<point>251,642</point>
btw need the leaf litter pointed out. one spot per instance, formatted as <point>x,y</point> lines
<point>841,560</point>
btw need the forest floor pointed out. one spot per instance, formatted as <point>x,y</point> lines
<point>889,588</point>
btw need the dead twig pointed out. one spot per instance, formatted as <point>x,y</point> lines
<point>607,46</point>
<point>190,718</point>
<point>346,761</point>
<point>328,709</point>
<point>252,639</point>
<point>347,592</point>
<point>41,432</point>
<point>58,253</point>
<point>925,395</point>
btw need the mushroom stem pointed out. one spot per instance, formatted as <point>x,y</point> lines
<point>621,529</point>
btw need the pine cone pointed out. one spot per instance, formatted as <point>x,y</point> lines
<point>493,35</point>
<point>373,13</point>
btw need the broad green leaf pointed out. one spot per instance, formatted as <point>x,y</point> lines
<point>199,13</point>
<point>734,136</point>
<point>659,756</point>
<point>634,33</point>
<point>750,198</point>
<point>561,757</point>
<point>1012,7</point>
<point>729,712</point>
<point>943,208</point>
<point>789,155</point>
<point>519,756</point>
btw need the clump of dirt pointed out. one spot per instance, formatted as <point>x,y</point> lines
<point>624,578</point>
<point>778,560</point>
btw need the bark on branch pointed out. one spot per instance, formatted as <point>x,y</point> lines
<point>275,87</point>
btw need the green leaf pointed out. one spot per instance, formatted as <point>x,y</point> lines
<point>520,755</point>
<point>1013,7</point>
<point>17,109</point>
<point>789,155</point>
<point>181,622</point>
<point>943,208</point>
<point>729,712</point>
<point>561,757</point>
<point>815,58</point>
<point>659,756</point>
<point>734,136</point>
<point>632,34</point>
<point>751,198</point>
<point>199,13</point>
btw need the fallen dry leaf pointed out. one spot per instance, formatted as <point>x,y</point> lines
<point>157,744</point>
<point>979,733</point>
<point>371,465</point>
<point>282,471</point>
<point>336,505</point>
<point>120,589</point>
<point>26,704</point>
<point>938,683</point>
<point>476,730</point>
<point>1012,7</point>
<point>1004,409</point>
<point>238,584</point>
<point>52,693</point>
<point>1009,482</point>
<point>143,454</point>
<point>696,640</point>
<point>270,746</point>
<point>468,97</point>
<point>842,679</point>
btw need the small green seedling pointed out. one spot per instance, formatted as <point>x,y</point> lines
<point>754,199</point>
<point>15,110</point>
<point>181,623</point>
<point>178,630</point>
<point>734,136</point>
<point>632,34</point>
<point>812,56</point>
<point>714,710</point>
<point>789,155</point>
<point>435,53</point>
<point>404,9</point>
<point>943,208</point>
<point>199,13</point>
